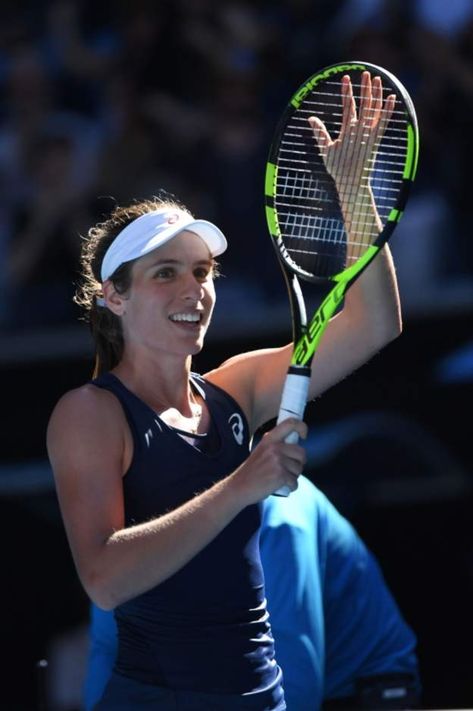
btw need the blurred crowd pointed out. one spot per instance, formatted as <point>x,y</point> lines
<point>103,103</point>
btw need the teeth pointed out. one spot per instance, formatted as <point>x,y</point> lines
<point>191,318</point>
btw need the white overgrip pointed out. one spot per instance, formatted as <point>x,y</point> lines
<point>293,402</point>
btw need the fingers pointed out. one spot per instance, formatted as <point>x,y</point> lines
<point>348,104</point>
<point>273,463</point>
<point>377,99</point>
<point>387,113</point>
<point>321,134</point>
<point>283,441</point>
<point>349,157</point>
<point>294,459</point>
<point>286,436</point>
<point>281,432</point>
<point>373,116</point>
<point>371,109</point>
<point>366,99</point>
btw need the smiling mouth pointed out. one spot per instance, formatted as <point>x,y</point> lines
<point>193,319</point>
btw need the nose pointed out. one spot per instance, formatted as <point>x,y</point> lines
<point>192,288</point>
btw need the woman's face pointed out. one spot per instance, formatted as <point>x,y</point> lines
<point>171,298</point>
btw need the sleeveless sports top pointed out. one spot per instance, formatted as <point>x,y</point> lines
<point>206,627</point>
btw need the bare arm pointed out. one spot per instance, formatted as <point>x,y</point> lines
<point>371,316</point>
<point>87,445</point>
<point>370,319</point>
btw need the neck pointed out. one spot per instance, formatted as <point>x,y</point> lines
<point>162,382</point>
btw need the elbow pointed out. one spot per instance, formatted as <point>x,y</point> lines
<point>396,327</point>
<point>101,600</point>
<point>102,603</point>
<point>101,590</point>
<point>387,331</point>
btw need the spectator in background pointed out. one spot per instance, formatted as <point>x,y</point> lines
<point>45,246</point>
<point>33,112</point>
<point>130,138</point>
<point>47,164</point>
<point>443,18</point>
<point>447,100</point>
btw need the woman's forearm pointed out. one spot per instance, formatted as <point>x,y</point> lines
<point>135,559</point>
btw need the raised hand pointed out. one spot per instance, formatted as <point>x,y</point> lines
<point>348,157</point>
<point>273,463</point>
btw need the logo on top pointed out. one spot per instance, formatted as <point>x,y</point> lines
<point>236,423</point>
<point>172,219</point>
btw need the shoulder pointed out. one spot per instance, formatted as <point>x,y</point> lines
<point>84,409</point>
<point>87,430</point>
<point>255,380</point>
<point>85,400</point>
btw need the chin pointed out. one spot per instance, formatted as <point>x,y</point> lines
<point>191,349</point>
<point>198,347</point>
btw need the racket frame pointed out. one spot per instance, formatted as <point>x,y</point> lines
<point>307,335</point>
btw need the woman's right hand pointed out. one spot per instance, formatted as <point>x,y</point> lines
<point>273,463</point>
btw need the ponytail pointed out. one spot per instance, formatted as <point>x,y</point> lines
<point>106,331</point>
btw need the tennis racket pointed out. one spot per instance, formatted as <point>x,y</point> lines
<point>340,167</point>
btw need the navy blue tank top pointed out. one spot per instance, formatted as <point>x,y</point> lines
<point>206,627</point>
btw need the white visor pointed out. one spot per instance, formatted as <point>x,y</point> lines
<point>152,230</point>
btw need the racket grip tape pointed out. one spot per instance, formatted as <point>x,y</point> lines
<point>293,402</point>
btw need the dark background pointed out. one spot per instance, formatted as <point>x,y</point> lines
<point>101,104</point>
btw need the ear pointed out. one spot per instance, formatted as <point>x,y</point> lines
<point>113,300</point>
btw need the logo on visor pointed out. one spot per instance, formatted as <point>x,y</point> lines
<point>172,219</point>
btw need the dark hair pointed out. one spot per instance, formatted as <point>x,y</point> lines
<point>105,326</point>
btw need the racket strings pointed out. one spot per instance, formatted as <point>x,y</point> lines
<point>295,146</point>
<point>396,122</point>
<point>348,190</point>
<point>314,231</point>
<point>391,169</point>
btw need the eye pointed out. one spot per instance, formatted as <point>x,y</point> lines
<point>203,273</point>
<point>164,273</point>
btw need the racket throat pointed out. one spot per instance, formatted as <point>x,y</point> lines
<point>310,339</point>
<point>299,313</point>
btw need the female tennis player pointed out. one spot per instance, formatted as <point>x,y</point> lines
<point>160,495</point>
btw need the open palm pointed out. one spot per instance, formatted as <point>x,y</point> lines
<point>349,157</point>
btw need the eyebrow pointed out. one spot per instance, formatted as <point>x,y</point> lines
<point>163,262</point>
<point>160,262</point>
